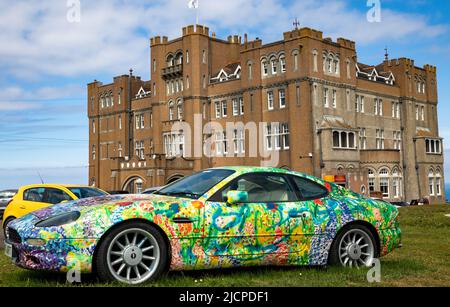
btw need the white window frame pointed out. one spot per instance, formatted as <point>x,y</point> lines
<point>282,98</point>
<point>283,64</point>
<point>235,103</point>
<point>274,66</point>
<point>270,104</point>
<point>218,109</point>
<point>224,107</point>
<point>334,99</point>
<point>241,105</point>
<point>326,97</point>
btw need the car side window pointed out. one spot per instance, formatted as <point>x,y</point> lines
<point>309,189</point>
<point>55,196</point>
<point>35,194</point>
<point>261,188</point>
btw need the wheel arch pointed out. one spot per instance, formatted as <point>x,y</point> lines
<point>369,226</point>
<point>156,226</point>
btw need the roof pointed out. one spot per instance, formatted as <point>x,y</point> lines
<point>334,122</point>
<point>423,132</point>
<point>229,72</point>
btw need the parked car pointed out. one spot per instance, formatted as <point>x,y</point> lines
<point>152,190</point>
<point>400,204</point>
<point>5,198</point>
<point>217,218</point>
<point>34,197</point>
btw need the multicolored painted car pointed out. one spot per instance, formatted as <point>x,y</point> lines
<point>217,218</point>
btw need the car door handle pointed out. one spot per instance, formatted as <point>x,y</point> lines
<point>182,220</point>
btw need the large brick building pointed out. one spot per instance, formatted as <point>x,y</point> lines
<point>371,128</point>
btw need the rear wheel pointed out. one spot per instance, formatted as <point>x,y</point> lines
<point>353,247</point>
<point>132,253</point>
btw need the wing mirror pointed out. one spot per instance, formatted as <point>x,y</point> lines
<point>236,197</point>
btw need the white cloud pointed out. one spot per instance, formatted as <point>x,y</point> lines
<point>36,38</point>
<point>15,98</point>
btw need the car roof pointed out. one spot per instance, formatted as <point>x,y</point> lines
<point>258,169</point>
<point>51,185</point>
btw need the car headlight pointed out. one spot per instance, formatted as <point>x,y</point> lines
<point>59,220</point>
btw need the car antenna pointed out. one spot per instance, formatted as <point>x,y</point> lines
<point>42,180</point>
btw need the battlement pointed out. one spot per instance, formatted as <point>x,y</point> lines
<point>234,39</point>
<point>248,45</point>
<point>198,29</point>
<point>303,32</point>
<point>346,43</point>
<point>430,68</point>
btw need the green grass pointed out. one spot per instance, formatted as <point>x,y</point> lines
<point>423,261</point>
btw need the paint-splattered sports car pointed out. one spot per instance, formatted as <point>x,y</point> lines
<point>217,218</point>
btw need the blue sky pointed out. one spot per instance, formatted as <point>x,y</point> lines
<point>46,61</point>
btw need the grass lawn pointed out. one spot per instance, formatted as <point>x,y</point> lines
<point>424,260</point>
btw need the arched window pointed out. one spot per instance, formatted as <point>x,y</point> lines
<point>170,60</point>
<point>180,109</point>
<point>344,140</point>
<point>274,65</point>
<point>336,142</point>
<point>348,69</point>
<point>351,140</point>
<point>250,70</point>
<point>264,67</point>
<point>431,182</point>
<point>336,65</point>
<point>371,180</point>
<point>396,183</point>
<point>283,63</point>
<point>188,85</point>
<point>171,105</point>
<point>315,63</point>
<point>438,182</point>
<point>384,182</point>
<point>363,190</point>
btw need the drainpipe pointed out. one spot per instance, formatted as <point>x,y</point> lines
<point>130,118</point>
<point>417,167</point>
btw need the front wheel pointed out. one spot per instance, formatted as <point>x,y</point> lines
<point>353,247</point>
<point>132,253</point>
<point>5,224</point>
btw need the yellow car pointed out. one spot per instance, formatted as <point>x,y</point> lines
<point>34,197</point>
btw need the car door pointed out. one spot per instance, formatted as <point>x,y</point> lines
<point>33,199</point>
<point>261,225</point>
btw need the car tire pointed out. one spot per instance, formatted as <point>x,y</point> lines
<point>132,253</point>
<point>5,224</point>
<point>354,246</point>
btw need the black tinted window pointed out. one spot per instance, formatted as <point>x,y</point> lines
<point>81,193</point>
<point>36,194</point>
<point>261,188</point>
<point>309,189</point>
<point>55,196</point>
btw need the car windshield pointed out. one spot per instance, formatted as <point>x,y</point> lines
<point>81,193</point>
<point>196,185</point>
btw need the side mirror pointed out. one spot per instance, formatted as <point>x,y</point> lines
<point>236,197</point>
